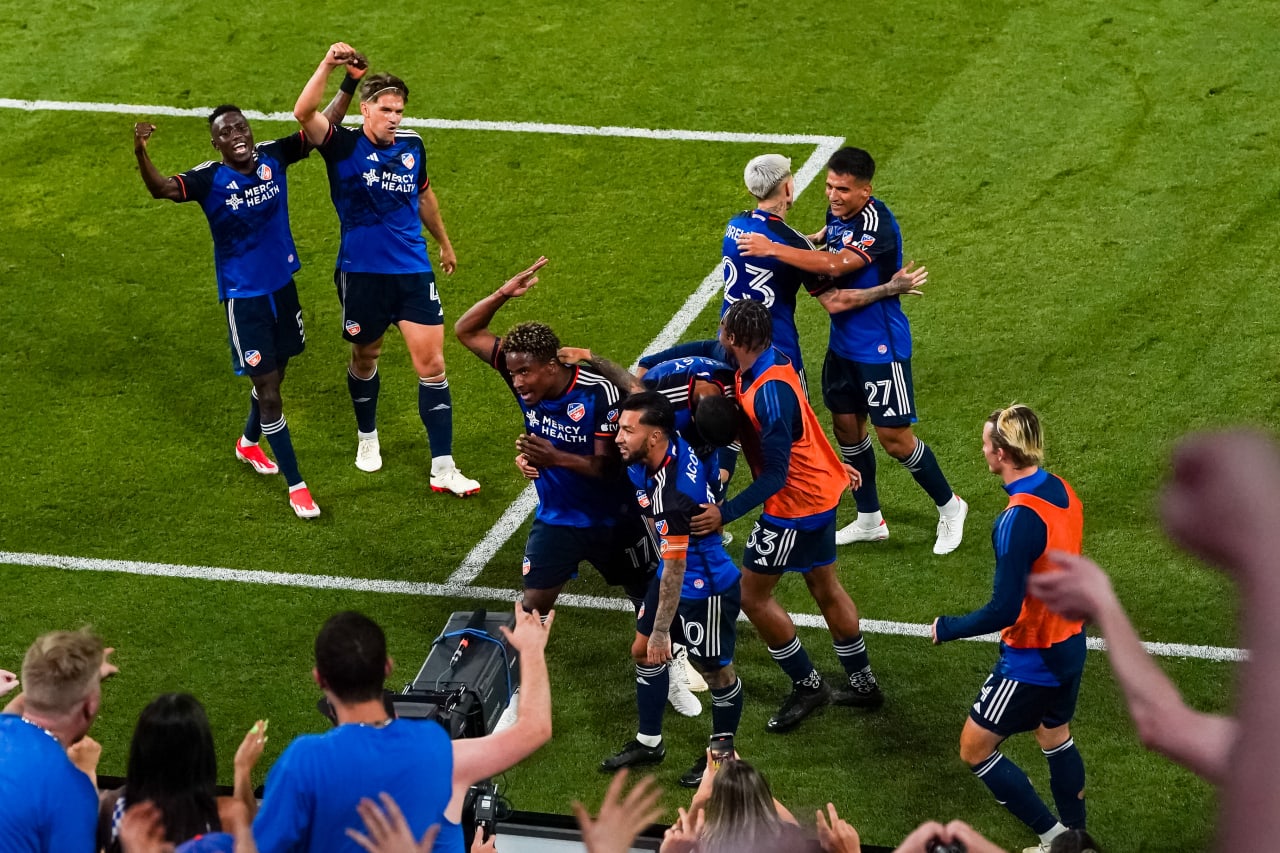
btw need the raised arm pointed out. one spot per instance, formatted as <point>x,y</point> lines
<point>479,758</point>
<point>1200,742</point>
<point>336,111</point>
<point>315,124</point>
<point>906,281</point>
<point>157,184</point>
<point>472,328</point>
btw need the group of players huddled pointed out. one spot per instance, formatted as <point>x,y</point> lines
<point>631,470</point>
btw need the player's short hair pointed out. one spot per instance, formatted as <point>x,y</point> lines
<point>749,323</point>
<point>1016,431</point>
<point>766,173</point>
<point>60,670</point>
<point>717,418</point>
<point>655,410</point>
<point>1074,841</point>
<point>351,656</point>
<point>535,340</point>
<point>221,110</point>
<point>852,161</point>
<point>375,85</point>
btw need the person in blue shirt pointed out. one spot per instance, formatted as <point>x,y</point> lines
<point>47,803</point>
<point>695,596</point>
<point>379,185</point>
<point>586,510</point>
<point>867,371</point>
<point>245,197</point>
<point>1034,685</point>
<point>314,789</point>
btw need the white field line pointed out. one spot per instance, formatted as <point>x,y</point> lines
<point>452,590</point>
<point>439,123</point>
<point>515,515</point>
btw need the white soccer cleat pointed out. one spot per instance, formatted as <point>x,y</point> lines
<point>454,482</point>
<point>951,529</point>
<point>680,667</point>
<point>369,454</point>
<point>1038,848</point>
<point>855,532</point>
<point>684,702</point>
<point>252,455</point>
<point>726,538</point>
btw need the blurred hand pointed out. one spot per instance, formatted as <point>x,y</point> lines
<point>142,830</point>
<point>85,754</point>
<point>388,831</point>
<point>529,472</point>
<point>530,634</point>
<point>1078,590</point>
<point>620,819</point>
<point>837,836</point>
<point>250,749</point>
<point>8,682</point>
<point>683,835</point>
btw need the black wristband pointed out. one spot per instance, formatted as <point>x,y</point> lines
<point>349,85</point>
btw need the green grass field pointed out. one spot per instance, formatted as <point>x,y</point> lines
<point>1092,186</point>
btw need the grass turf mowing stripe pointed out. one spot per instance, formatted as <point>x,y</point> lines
<point>446,590</point>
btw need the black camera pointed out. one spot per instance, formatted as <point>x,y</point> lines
<point>486,808</point>
<point>938,846</point>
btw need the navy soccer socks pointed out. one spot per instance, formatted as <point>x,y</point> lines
<point>364,399</point>
<point>435,407</point>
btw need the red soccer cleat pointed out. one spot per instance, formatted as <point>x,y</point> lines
<point>252,454</point>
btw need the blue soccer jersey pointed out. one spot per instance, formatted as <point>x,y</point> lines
<point>587,410</point>
<point>375,190</point>
<point>877,333</point>
<point>671,496</point>
<point>248,215</point>
<point>767,280</point>
<point>675,379</point>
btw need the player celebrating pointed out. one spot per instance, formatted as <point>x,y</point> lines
<point>799,479</point>
<point>379,185</point>
<point>867,372</point>
<point>1034,685</point>
<point>245,197</point>
<point>697,581</point>
<point>773,281</point>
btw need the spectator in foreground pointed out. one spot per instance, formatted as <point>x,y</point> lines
<point>47,803</point>
<point>314,790</point>
<point>172,765</point>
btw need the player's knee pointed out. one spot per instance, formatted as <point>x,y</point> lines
<point>718,677</point>
<point>364,359</point>
<point>429,364</point>
<point>972,755</point>
<point>640,649</point>
<point>898,443</point>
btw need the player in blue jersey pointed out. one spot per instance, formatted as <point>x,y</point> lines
<point>696,582</point>
<point>586,509</point>
<point>245,198</point>
<point>379,186</point>
<point>1034,685</point>
<point>773,281</point>
<point>867,372</point>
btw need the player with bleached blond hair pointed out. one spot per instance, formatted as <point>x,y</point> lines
<point>1034,685</point>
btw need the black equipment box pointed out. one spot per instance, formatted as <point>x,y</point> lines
<point>468,697</point>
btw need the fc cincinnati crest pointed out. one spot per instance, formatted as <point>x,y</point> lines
<point>642,498</point>
<point>576,411</point>
<point>264,172</point>
<point>526,567</point>
<point>407,159</point>
<point>252,358</point>
<point>698,583</point>
<point>352,327</point>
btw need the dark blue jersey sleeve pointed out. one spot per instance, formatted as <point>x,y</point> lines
<point>781,425</point>
<point>339,143</point>
<point>708,348</point>
<point>1019,538</point>
<point>197,182</point>
<point>287,149</point>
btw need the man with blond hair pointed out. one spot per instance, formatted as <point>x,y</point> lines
<point>1034,685</point>
<point>47,803</point>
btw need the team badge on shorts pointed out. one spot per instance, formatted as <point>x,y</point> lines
<point>352,327</point>
<point>524,570</point>
<point>640,615</point>
<point>576,411</point>
<point>264,172</point>
<point>407,159</point>
<point>642,498</point>
<point>252,358</point>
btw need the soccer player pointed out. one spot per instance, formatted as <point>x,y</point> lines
<point>1034,685</point>
<point>245,197</point>
<point>799,480</point>
<point>773,281</point>
<point>867,372</point>
<point>696,582</point>
<point>379,185</point>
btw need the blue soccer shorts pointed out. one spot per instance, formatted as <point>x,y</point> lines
<point>707,627</point>
<point>773,549</point>
<point>1007,707</point>
<point>373,301</point>
<point>884,392</point>
<point>264,332</point>
<point>623,553</point>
